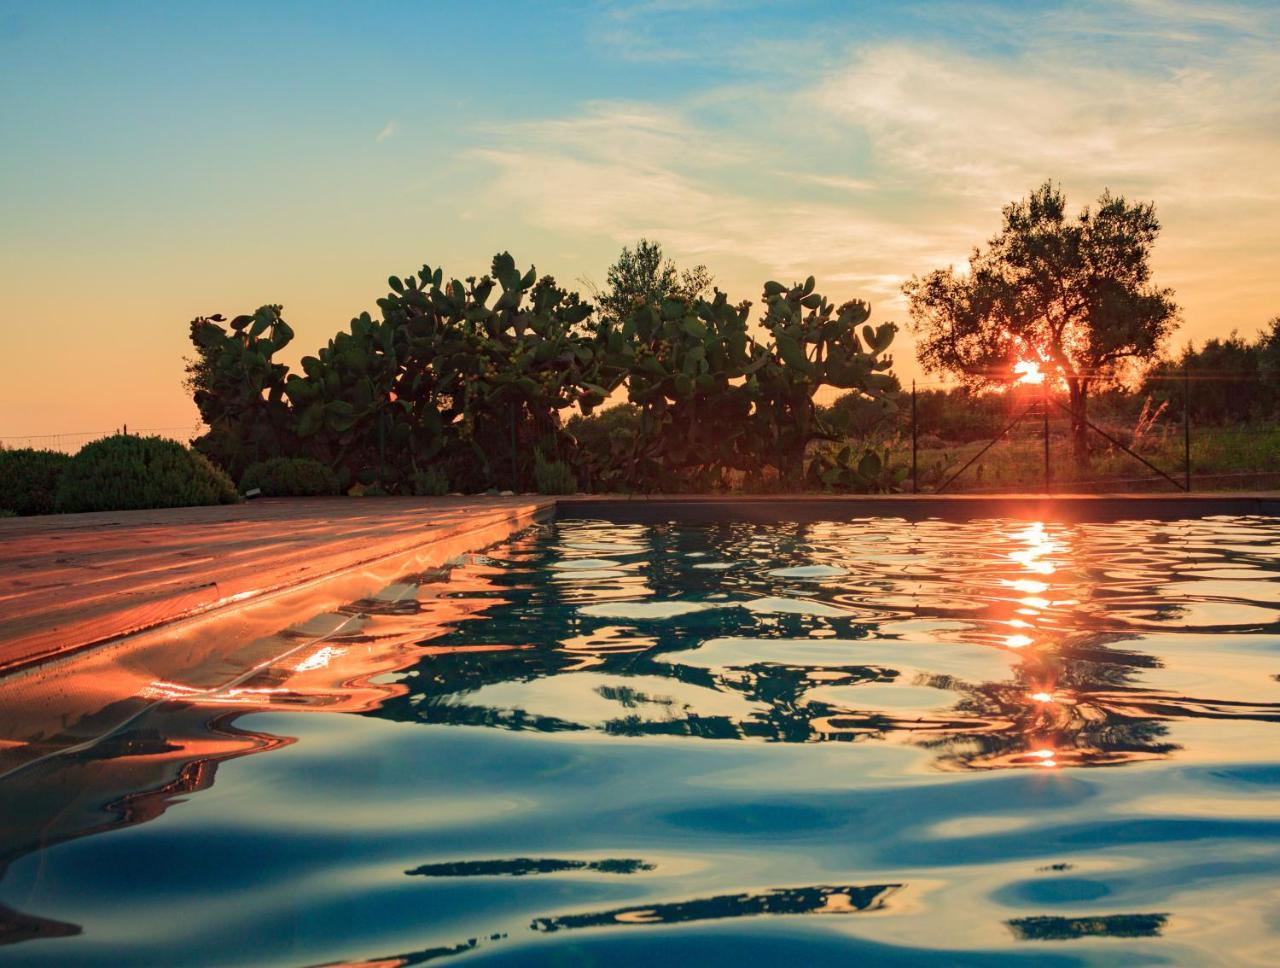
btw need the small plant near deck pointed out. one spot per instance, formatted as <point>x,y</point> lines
<point>604,446</point>
<point>123,472</point>
<point>834,467</point>
<point>290,477</point>
<point>431,482</point>
<point>553,477</point>
<point>29,480</point>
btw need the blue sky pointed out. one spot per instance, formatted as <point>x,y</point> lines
<point>162,160</point>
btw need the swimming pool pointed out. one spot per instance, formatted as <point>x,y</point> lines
<point>609,741</point>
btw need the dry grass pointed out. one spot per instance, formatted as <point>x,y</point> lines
<point>1222,458</point>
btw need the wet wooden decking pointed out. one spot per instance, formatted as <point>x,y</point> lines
<point>72,581</point>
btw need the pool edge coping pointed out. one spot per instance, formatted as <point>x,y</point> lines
<point>389,555</point>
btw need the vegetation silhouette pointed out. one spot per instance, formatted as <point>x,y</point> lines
<point>525,866</point>
<point>843,899</point>
<point>644,275</point>
<point>451,387</point>
<point>1056,928</point>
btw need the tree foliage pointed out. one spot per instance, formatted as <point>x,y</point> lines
<point>643,275</point>
<point>1073,294</point>
<point>1229,380</point>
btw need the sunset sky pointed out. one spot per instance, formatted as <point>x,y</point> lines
<point>163,160</point>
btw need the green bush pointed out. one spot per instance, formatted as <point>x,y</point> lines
<point>553,477</point>
<point>605,446</point>
<point>289,477</point>
<point>29,480</point>
<point>432,482</point>
<point>122,472</point>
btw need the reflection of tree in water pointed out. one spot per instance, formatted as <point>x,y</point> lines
<point>1074,699</point>
<point>1053,928</point>
<point>990,724</point>
<point>526,866</point>
<point>848,899</point>
<point>532,619</point>
<point>1073,716</point>
<point>816,900</point>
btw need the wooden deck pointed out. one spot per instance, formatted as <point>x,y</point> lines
<point>69,582</point>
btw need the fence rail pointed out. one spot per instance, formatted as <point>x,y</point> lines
<point>1019,441</point>
<point>69,443</point>
<point>1134,443</point>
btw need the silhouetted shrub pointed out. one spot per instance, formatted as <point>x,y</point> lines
<point>29,480</point>
<point>122,472</point>
<point>605,446</point>
<point>553,477</point>
<point>289,477</point>
<point>432,482</point>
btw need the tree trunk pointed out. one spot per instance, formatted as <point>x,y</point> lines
<point>1078,390</point>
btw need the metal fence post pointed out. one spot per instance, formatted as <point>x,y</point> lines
<point>1186,427</point>
<point>914,479</point>
<point>1044,406</point>
<point>382,449</point>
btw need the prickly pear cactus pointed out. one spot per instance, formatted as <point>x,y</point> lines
<point>473,373</point>
<point>239,388</point>
<point>468,379</point>
<point>685,364</point>
<point>815,343</point>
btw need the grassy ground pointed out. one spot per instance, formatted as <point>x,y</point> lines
<point>1222,458</point>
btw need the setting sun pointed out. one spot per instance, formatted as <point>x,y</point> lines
<point>1029,372</point>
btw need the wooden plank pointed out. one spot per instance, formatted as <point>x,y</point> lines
<point>71,581</point>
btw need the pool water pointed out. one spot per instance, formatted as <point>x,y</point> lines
<point>878,741</point>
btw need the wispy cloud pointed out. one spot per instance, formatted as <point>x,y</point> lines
<point>656,30</point>
<point>626,173</point>
<point>896,158</point>
<point>389,130</point>
<point>983,128</point>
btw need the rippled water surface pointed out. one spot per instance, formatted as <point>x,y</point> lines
<point>879,741</point>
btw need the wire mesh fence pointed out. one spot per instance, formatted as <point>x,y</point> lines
<point>69,443</point>
<point>1202,433</point>
<point>1025,439</point>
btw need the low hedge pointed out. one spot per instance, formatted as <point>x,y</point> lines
<point>124,472</point>
<point>289,477</point>
<point>29,480</point>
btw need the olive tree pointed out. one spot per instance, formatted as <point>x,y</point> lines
<point>1074,295</point>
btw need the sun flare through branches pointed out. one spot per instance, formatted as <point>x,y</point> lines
<point>1028,371</point>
